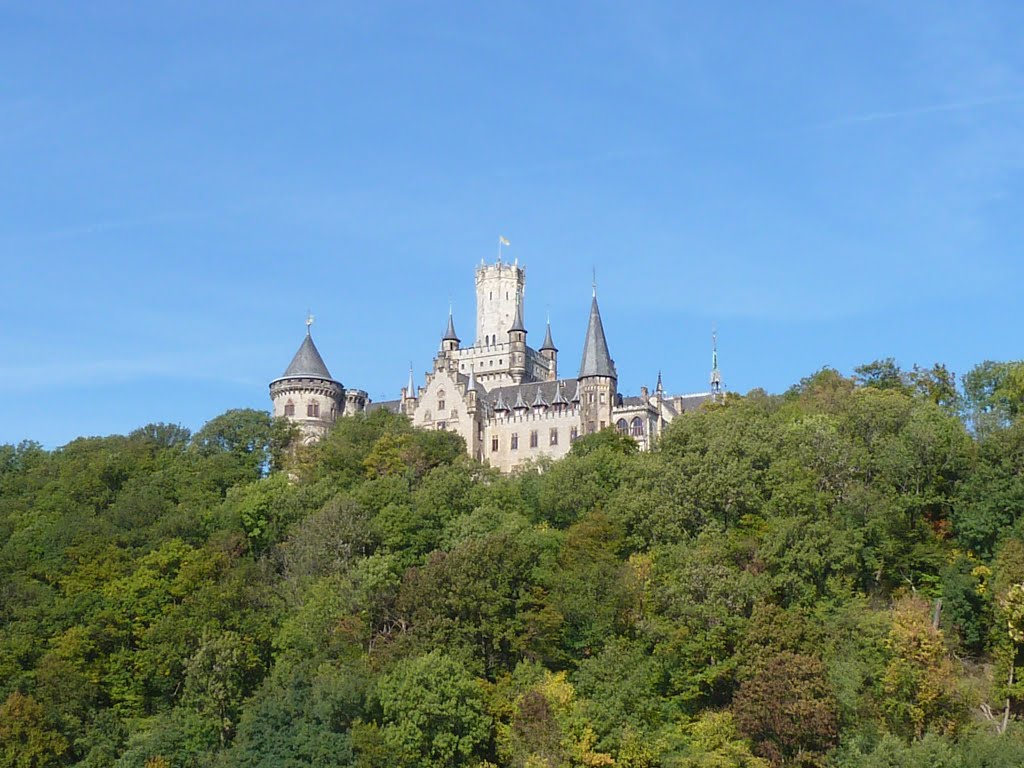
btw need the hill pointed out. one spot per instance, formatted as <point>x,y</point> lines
<point>833,576</point>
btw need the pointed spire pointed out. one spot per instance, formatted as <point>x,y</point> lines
<point>716,375</point>
<point>450,335</point>
<point>307,362</point>
<point>659,388</point>
<point>410,391</point>
<point>472,385</point>
<point>548,343</point>
<point>499,403</point>
<point>578,396</point>
<point>517,321</point>
<point>596,360</point>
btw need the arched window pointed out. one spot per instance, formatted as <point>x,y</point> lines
<point>313,410</point>
<point>289,408</point>
<point>621,426</point>
<point>636,427</point>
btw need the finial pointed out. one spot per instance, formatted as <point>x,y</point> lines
<point>309,321</point>
<point>593,284</point>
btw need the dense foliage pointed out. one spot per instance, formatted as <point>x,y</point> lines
<point>830,577</point>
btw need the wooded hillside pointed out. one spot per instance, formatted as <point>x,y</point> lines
<point>829,577</point>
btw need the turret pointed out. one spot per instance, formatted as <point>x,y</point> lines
<point>517,346</point>
<point>409,395</point>
<point>305,393</point>
<point>598,380</point>
<point>450,340</point>
<point>549,352</point>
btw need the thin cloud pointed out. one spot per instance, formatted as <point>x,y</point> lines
<point>953,106</point>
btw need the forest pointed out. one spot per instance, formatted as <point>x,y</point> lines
<point>832,576</point>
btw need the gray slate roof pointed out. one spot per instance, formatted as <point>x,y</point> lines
<point>394,406</point>
<point>307,363</point>
<point>449,334</point>
<point>525,393</point>
<point>517,321</point>
<point>548,343</point>
<point>596,360</point>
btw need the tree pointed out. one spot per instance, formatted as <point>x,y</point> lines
<point>26,740</point>
<point>433,713</point>
<point>787,708</point>
<point>919,686</point>
<point>881,374</point>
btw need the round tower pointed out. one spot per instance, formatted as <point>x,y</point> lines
<point>305,393</point>
<point>598,381</point>
<point>549,352</point>
<point>517,346</point>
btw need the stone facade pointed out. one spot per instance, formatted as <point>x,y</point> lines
<point>502,396</point>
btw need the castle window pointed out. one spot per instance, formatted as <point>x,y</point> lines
<point>500,361</point>
<point>313,410</point>
<point>442,426</point>
<point>494,444</point>
<point>533,439</point>
<point>602,398</point>
<point>440,405</point>
<point>573,434</point>
<point>553,438</point>
<point>621,427</point>
<point>289,408</point>
<point>636,427</point>
<point>515,441</point>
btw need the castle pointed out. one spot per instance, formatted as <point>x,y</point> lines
<point>502,396</point>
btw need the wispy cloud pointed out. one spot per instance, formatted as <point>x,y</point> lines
<point>931,109</point>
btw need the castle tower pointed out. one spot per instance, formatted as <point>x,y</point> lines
<point>549,352</point>
<point>306,394</point>
<point>597,380</point>
<point>517,347</point>
<point>499,293</point>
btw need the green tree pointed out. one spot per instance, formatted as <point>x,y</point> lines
<point>433,713</point>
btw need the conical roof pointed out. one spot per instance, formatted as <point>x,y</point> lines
<point>539,401</point>
<point>517,321</point>
<point>307,363</point>
<point>548,343</point>
<point>450,335</point>
<point>520,404</point>
<point>596,360</point>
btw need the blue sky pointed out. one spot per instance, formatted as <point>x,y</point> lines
<point>828,183</point>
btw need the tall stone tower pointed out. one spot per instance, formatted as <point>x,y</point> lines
<point>598,380</point>
<point>499,294</point>
<point>306,394</point>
